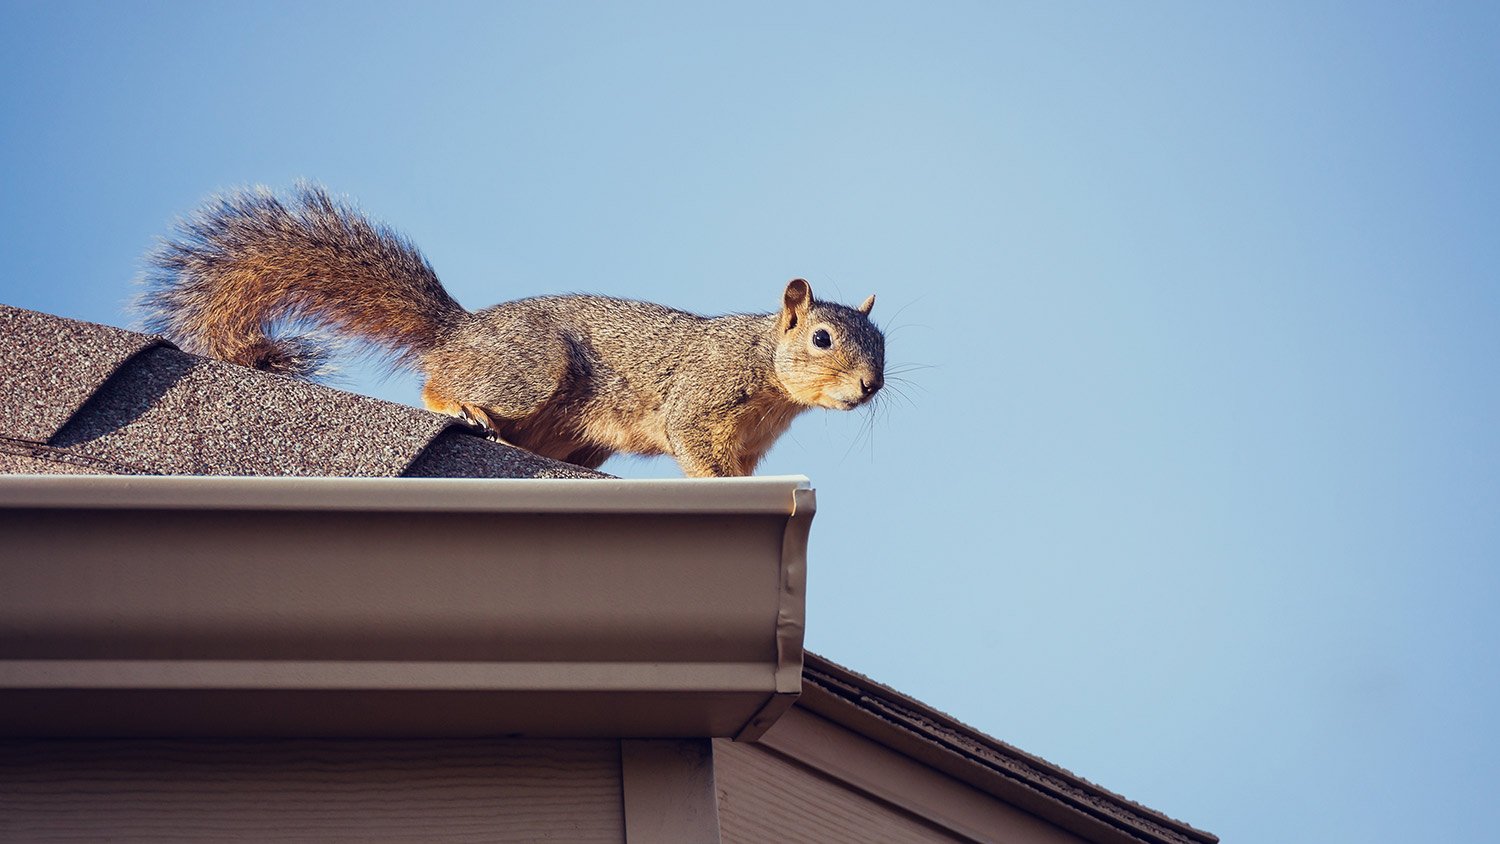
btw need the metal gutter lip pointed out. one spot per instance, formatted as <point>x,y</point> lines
<point>766,494</point>
<point>368,675</point>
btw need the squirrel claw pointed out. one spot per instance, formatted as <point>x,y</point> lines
<point>482,423</point>
<point>468,415</point>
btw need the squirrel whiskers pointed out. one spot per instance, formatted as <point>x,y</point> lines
<point>573,377</point>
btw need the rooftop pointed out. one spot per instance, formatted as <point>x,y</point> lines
<point>79,398</point>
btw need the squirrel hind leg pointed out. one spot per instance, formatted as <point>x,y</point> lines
<point>476,416</point>
<point>438,403</point>
<point>483,422</point>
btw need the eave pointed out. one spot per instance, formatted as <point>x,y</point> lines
<point>260,606</point>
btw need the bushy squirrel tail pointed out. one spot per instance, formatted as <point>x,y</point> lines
<point>247,264</point>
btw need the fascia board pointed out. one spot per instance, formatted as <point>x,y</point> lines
<point>376,606</point>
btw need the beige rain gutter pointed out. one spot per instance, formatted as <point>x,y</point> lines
<point>235,606</point>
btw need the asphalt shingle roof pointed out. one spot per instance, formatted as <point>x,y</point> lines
<point>76,397</point>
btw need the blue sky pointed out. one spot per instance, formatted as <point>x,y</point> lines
<point>1196,491</point>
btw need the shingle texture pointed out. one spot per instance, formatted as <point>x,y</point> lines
<point>52,365</point>
<point>78,397</point>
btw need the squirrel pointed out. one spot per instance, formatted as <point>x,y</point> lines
<point>573,377</point>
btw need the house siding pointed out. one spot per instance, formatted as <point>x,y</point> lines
<point>830,783</point>
<point>311,790</point>
<point>765,798</point>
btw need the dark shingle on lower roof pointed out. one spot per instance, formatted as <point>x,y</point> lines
<point>926,724</point>
<point>112,401</point>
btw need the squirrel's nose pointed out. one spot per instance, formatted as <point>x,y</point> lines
<point>868,388</point>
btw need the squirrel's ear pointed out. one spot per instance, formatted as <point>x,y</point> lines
<point>795,303</point>
<point>865,307</point>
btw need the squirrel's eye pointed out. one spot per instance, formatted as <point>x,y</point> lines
<point>821,338</point>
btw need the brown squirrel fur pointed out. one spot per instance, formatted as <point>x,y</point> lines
<point>573,377</point>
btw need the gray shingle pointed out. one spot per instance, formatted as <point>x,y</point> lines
<point>50,366</point>
<point>88,398</point>
<point>456,453</point>
<point>23,462</point>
